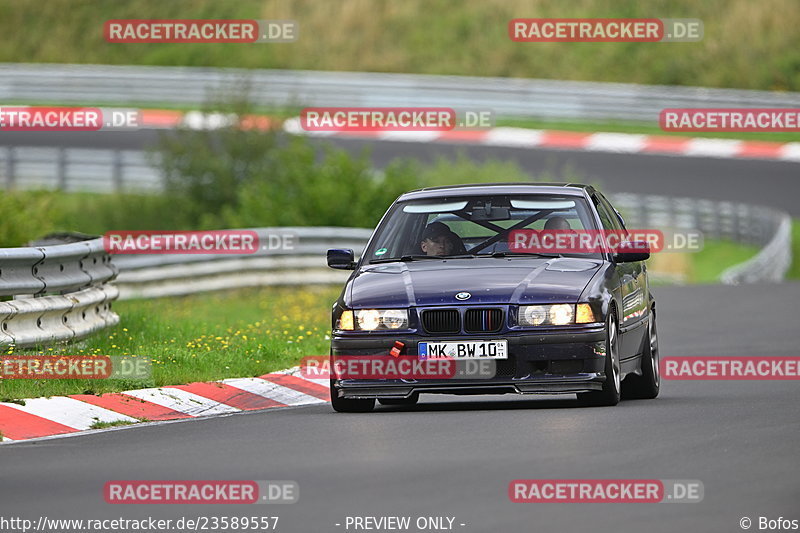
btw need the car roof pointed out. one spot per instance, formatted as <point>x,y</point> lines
<point>477,189</point>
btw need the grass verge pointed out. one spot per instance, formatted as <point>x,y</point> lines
<point>97,424</point>
<point>717,256</point>
<point>202,337</point>
<point>794,269</point>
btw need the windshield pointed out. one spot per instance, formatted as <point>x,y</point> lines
<point>469,226</point>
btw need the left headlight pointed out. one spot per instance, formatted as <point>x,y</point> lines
<point>373,319</point>
<point>555,315</point>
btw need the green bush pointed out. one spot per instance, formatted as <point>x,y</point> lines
<point>234,177</point>
<point>231,178</point>
<point>26,216</point>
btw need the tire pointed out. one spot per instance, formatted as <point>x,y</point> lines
<point>610,394</point>
<point>411,400</point>
<point>349,405</point>
<point>646,386</point>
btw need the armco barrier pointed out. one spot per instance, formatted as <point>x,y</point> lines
<point>771,263</point>
<point>61,292</point>
<point>769,229</point>
<point>515,97</point>
<point>148,276</point>
<point>17,271</point>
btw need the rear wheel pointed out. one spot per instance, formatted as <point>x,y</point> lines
<point>646,386</point>
<point>610,393</point>
<point>350,405</point>
<point>411,400</point>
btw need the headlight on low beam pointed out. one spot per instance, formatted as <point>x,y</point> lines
<point>555,315</point>
<point>373,319</point>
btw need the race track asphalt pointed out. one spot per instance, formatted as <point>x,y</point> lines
<point>455,457</point>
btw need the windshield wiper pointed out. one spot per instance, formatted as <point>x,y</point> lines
<point>518,254</point>
<point>417,257</point>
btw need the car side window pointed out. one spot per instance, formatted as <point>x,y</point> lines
<point>616,219</point>
<point>606,218</point>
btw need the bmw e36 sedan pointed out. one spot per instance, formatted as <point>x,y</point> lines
<point>449,276</point>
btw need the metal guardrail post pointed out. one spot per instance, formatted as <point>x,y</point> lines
<point>10,168</point>
<point>62,169</point>
<point>117,171</point>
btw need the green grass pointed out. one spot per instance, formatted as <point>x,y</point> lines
<point>746,44</point>
<point>716,256</point>
<point>97,424</point>
<point>794,269</point>
<point>202,337</point>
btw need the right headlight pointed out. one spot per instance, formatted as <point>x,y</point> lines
<point>555,315</point>
<point>373,319</point>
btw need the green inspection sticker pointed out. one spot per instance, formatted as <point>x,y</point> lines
<point>381,251</point>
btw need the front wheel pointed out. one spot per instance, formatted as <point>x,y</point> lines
<point>610,393</point>
<point>646,386</point>
<point>350,405</point>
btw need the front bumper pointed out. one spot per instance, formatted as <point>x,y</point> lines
<point>539,362</point>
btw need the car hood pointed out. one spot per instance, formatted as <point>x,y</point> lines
<point>488,280</point>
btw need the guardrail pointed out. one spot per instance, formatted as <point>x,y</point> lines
<point>151,276</point>
<point>547,99</point>
<point>771,263</point>
<point>60,292</point>
<point>78,169</point>
<point>767,228</point>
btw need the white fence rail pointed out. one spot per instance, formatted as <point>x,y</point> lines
<point>78,169</point>
<point>550,99</point>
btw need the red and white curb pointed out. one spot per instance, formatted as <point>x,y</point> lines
<point>627,143</point>
<point>59,415</point>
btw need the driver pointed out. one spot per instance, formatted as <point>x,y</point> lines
<point>438,239</point>
<point>557,223</point>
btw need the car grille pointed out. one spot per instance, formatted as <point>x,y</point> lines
<point>441,321</point>
<point>483,320</point>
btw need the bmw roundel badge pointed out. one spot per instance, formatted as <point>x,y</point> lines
<point>463,296</point>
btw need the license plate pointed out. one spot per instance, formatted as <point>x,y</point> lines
<point>464,350</point>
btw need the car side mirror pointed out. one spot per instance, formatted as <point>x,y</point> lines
<point>630,252</point>
<point>341,259</point>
